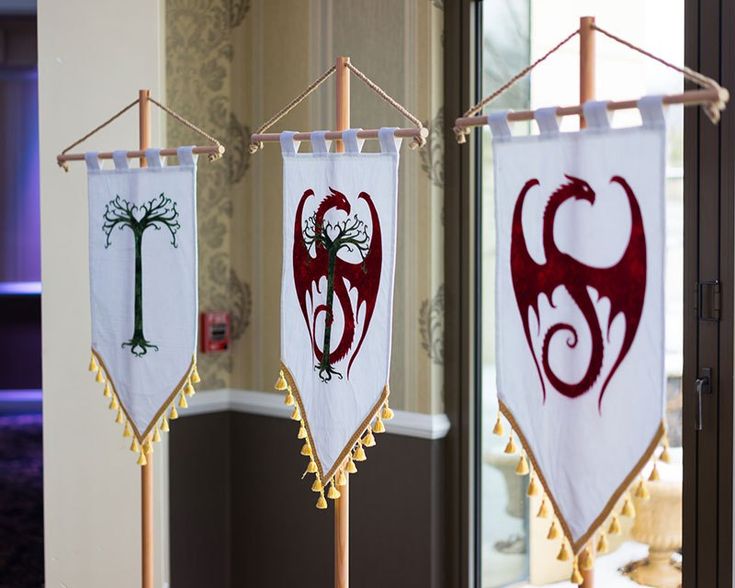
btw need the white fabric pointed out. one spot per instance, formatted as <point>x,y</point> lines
<point>586,443</point>
<point>335,410</point>
<point>144,383</point>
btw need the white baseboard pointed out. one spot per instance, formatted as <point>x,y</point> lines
<point>410,424</point>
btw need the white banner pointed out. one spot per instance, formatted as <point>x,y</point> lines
<point>580,304</point>
<point>339,235</point>
<point>143,287</point>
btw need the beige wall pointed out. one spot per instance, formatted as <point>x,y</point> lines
<point>231,64</point>
<point>93,57</point>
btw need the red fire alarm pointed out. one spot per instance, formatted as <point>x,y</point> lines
<point>215,331</point>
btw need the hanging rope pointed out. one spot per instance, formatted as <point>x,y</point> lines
<point>193,127</point>
<point>711,109</point>
<point>461,133</point>
<point>419,141</point>
<point>114,117</point>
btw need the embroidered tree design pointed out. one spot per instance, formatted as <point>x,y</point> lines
<point>350,235</point>
<point>157,213</point>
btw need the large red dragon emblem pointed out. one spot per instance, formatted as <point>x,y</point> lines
<point>624,284</point>
<point>319,251</point>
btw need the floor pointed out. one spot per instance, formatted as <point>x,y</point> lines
<point>21,502</point>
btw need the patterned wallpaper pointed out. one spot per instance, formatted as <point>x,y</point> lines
<point>230,65</point>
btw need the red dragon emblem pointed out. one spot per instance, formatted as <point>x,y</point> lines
<point>318,250</point>
<point>624,284</point>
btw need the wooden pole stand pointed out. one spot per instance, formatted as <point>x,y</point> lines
<point>342,504</point>
<point>587,92</point>
<point>146,471</point>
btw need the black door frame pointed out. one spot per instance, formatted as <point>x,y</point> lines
<point>709,186</point>
<point>709,242</point>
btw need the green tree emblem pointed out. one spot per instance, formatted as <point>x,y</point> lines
<point>157,213</point>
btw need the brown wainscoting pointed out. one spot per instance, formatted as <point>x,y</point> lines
<point>237,500</point>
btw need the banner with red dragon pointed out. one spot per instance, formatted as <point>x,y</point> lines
<point>339,236</point>
<point>580,316</point>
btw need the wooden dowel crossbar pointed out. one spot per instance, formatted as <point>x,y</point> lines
<point>403,133</point>
<point>689,98</point>
<point>167,152</point>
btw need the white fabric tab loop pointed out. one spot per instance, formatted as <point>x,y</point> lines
<point>652,111</point>
<point>153,157</point>
<point>596,114</point>
<point>389,143</point>
<point>186,156</point>
<point>121,159</point>
<point>288,145</point>
<point>352,143</point>
<point>498,123</point>
<point>92,159</point>
<point>547,120</point>
<point>318,142</point>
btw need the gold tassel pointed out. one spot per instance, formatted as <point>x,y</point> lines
<point>642,491</point>
<point>533,489</point>
<point>173,414</point>
<point>311,468</point>
<point>317,486</point>
<point>359,454</point>
<point>387,412</point>
<point>655,476</point>
<point>141,459</point>
<point>156,436</point>
<point>522,467</point>
<point>511,446</point>
<point>134,447</point>
<point>189,389</point>
<point>333,493</point>
<point>302,432</point>
<point>577,578</point>
<point>321,504</point>
<point>665,455</point>
<point>182,401</point>
<point>119,416</point>
<point>615,526</point>
<point>543,511</point>
<point>127,432</point>
<point>563,554</point>
<point>628,508</point>
<point>602,546</point>
<point>368,440</point>
<point>195,375</point>
<point>351,467</point>
<point>553,531</point>
<point>281,383</point>
<point>296,414</point>
<point>341,478</point>
<point>288,400</point>
<point>164,425</point>
<point>379,426</point>
<point>147,447</point>
<point>306,450</point>
<point>93,367</point>
<point>108,390</point>
<point>498,428</point>
<point>100,376</point>
<point>587,562</point>
<point>114,404</point>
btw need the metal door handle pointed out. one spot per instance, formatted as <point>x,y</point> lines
<point>703,387</point>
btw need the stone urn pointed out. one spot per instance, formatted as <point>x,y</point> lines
<point>658,524</point>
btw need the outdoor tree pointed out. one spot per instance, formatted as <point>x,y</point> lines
<point>159,213</point>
